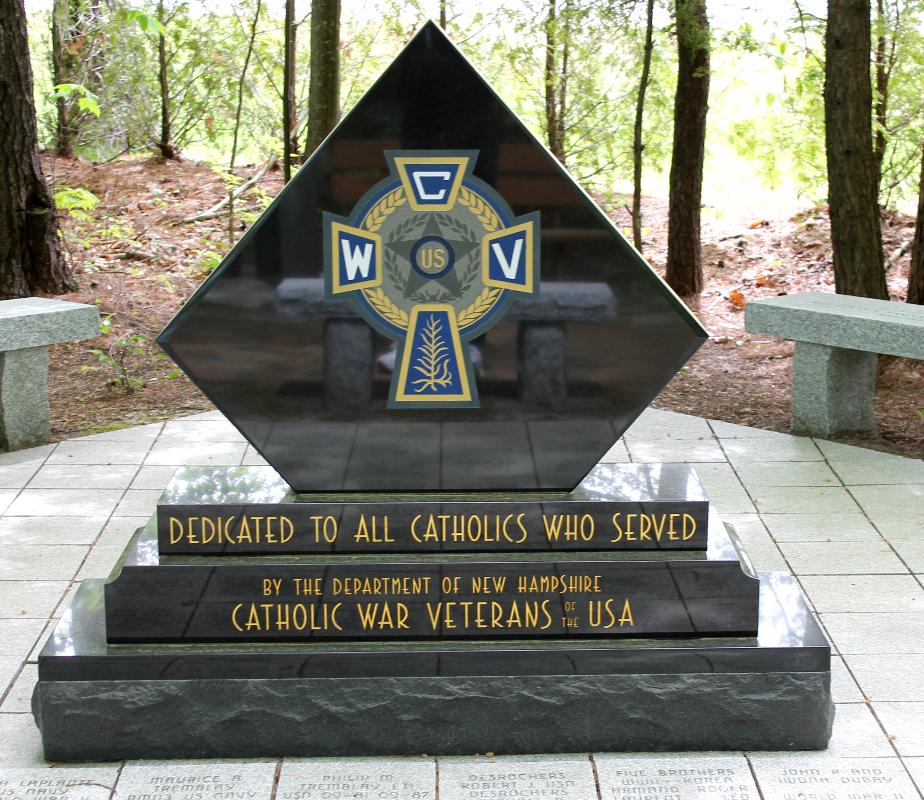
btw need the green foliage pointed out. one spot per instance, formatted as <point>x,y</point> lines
<point>147,22</point>
<point>78,202</point>
<point>115,362</point>
<point>766,116</point>
<point>904,128</point>
<point>86,100</point>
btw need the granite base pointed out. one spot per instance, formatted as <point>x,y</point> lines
<point>249,718</point>
<point>96,701</point>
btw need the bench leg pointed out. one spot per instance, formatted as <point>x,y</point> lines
<point>832,390</point>
<point>541,356</point>
<point>24,416</point>
<point>349,353</point>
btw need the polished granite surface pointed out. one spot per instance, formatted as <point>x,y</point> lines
<point>560,377</point>
<point>788,639</point>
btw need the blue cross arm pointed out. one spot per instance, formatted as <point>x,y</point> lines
<point>355,257</point>
<point>510,256</point>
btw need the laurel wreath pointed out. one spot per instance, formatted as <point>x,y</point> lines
<point>484,213</point>
<point>380,302</point>
<point>390,203</point>
<point>479,308</point>
<point>385,207</point>
<point>491,222</point>
<point>374,220</point>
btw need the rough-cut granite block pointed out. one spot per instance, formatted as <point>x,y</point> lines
<point>97,720</point>
<point>39,322</point>
<point>832,390</point>
<point>836,320</point>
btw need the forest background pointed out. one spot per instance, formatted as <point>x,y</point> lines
<point>162,127</point>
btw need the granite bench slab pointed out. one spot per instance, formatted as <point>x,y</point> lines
<point>27,327</point>
<point>840,320</point>
<point>838,338</point>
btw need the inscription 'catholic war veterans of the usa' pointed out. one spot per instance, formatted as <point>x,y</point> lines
<point>465,599</point>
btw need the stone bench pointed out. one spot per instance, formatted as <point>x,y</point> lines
<point>541,342</point>
<point>27,327</point>
<point>838,338</point>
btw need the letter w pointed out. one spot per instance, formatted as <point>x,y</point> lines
<point>357,260</point>
<point>509,268</point>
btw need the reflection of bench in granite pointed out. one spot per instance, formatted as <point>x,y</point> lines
<point>349,348</point>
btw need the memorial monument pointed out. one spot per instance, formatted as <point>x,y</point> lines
<point>432,336</point>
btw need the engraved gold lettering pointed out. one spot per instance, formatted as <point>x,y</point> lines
<point>267,617</point>
<point>601,614</point>
<point>379,616</point>
<point>569,527</point>
<point>626,616</point>
<point>523,532</point>
<point>619,531</point>
<point>325,527</point>
<point>370,531</point>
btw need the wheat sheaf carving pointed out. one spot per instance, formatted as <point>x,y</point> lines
<point>433,361</point>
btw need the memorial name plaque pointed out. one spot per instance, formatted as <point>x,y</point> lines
<point>366,779</point>
<point>692,778</point>
<point>200,781</point>
<point>834,779</point>
<point>432,336</point>
<point>66,784</point>
<point>553,778</point>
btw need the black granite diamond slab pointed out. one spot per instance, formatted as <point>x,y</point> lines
<point>252,510</point>
<point>563,374</point>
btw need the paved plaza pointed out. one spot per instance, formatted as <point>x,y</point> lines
<point>848,522</point>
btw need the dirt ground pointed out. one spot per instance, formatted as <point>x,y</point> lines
<point>137,261</point>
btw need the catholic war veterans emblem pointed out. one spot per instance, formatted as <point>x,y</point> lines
<point>432,258</point>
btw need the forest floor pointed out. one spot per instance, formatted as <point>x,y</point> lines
<point>138,262</point>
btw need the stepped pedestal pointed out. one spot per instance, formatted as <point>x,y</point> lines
<point>437,624</point>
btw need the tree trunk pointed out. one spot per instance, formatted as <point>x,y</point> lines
<point>856,237</point>
<point>916,275</point>
<point>324,89</point>
<point>691,103</point>
<point>290,147</point>
<point>553,124</point>
<point>882,92</point>
<point>64,68</point>
<point>637,144</point>
<point>237,115</point>
<point>30,253</point>
<point>167,148</point>
<point>443,14</point>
